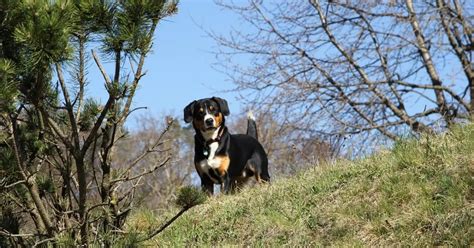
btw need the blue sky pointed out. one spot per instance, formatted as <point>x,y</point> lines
<point>179,69</point>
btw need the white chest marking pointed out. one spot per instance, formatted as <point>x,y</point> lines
<point>212,150</point>
<point>207,164</point>
<point>212,161</point>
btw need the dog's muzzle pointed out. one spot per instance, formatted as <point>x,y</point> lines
<point>209,123</point>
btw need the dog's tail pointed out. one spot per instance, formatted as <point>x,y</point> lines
<point>251,125</point>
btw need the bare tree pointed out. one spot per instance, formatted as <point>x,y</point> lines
<point>355,68</point>
<point>158,189</point>
<point>288,153</point>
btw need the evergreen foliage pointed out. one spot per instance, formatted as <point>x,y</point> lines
<point>58,184</point>
<point>189,197</point>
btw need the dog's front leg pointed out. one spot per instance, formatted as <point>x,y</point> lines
<point>207,186</point>
<point>227,184</point>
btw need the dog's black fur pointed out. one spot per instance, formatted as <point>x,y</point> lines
<point>221,157</point>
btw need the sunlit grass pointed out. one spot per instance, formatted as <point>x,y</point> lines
<point>418,194</point>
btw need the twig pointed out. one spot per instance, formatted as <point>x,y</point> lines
<point>6,233</point>
<point>101,68</point>
<point>43,241</point>
<point>142,174</point>
<point>163,227</point>
<point>149,149</point>
<point>69,106</point>
<point>105,110</point>
<point>13,184</point>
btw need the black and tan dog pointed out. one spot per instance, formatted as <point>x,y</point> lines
<point>221,157</point>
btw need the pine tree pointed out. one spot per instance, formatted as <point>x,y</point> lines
<point>57,181</point>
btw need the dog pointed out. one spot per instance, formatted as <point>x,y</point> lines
<point>219,156</point>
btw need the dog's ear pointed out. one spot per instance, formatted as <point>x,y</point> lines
<point>222,105</point>
<point>188,112</point>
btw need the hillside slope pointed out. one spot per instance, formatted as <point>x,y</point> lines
<point>420,193</point>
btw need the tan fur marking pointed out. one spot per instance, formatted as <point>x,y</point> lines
<point>225,161</point>
<point>256,174</point>
<point>252,168</point>
<point>257,177</point>
<point>219,119</point>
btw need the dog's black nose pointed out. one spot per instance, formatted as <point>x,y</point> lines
<point>210,122</point>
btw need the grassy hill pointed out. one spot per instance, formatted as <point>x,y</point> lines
<point>421,193</point>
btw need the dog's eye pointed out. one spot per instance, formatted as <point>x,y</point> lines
<point>201,110</point>
<point>211,108</point>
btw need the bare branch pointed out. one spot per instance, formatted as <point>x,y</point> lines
<point>428,62</point>
<point>138,73</point>
<point>69,107</point>
<point>131,178</point>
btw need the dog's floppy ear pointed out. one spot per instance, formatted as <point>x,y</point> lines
<point>188,112</point>
<point>222,105</point>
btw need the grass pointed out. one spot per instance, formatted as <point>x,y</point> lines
<point>420,193</point>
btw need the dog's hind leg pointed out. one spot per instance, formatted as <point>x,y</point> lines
<point>264,177</point>
<point>258,165</point>
<point>264,170</point>
<point>258,178</point>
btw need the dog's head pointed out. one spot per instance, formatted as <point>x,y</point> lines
<point>206,114</point>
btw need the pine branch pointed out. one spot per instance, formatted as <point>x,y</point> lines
<point>105,110</point>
